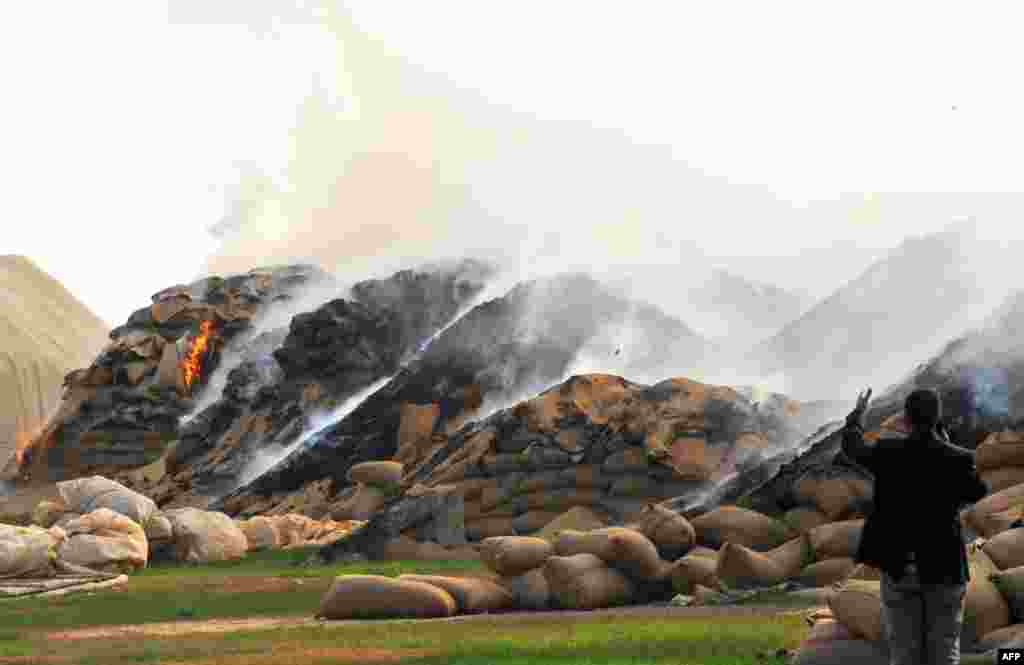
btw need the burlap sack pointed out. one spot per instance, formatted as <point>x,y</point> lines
<point>803,518</point>
<point>514,555</point>
<point>471,595</point>
<point>693,570</point>
<point>584,582</point>
<point>472,510</point>
<point>1006,549</point>
<point>261,533</point>
<point>28,552</point>
<point>837,539</point>
<point>999,479</point>
<point>104,541</point>
<point>46,513</point>
<point>825,573</point>
<point>998,450</point>
<point>529,591</point>
<point>862,571</point>
<point>827,630</point>
<point>857,604</point>
<point>379,597</point>
<point>379,474</point>
<point>570,542</point>
<point>400,548</point>
<point>489,527</point>
<point>741,526</point>
<point>472,488</point>
<point>84,495</point>
<point>635,555</point>
<point>834,495</point>
<point>670,532</point>
<point>362,505</point>
<point>584,476</point>
<point>984,516</point>
<point>842,652</point>
<point>1000,636</point>
<point>985,608</point>
<point>158,528</point>
<point>533,521</point>
<point>562,500</point>
<point>201,535</point>
<point>1010,583</point>
<point>741,568</point>
<point>700,550</point>
<point>579,518</point>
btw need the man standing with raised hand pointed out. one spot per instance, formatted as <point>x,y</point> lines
<point>913,534</point>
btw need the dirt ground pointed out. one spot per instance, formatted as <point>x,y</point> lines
<point>174,628</point>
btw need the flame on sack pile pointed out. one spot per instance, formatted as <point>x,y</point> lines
<point>192,364</point>
<point>22,440</point>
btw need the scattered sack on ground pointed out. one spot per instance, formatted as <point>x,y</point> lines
<point>741,526</point>
<point>994,513</point>
<point>1010,584</point>
<point>804,518</point>
<point>670,532</point>
<point>740,567</point>
<point>584,581</point>
<point>1000,636</point>
<point>104,541</point>
<point>471,595</point>
<point>201,535</point>
<point>838,539</point>
<point>999,479</point>
<point>84,495</point>
<point>985,608</point>
<point>842,652</point>
<point>579,518</point>
<point>635,555</point>
<point>857,604</point>
<point>46,513</point>
<point>693,570</point>
<point>514,555</point>
<point>1006,549</point>
<point>379,474</point>
<point>28,551</point>
<point>529,591</point>
<point>379,597</point>
<point>261,533</point>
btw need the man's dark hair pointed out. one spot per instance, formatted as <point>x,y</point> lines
<point>923,408</point>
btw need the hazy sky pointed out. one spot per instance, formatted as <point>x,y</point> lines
<point>793,142</point>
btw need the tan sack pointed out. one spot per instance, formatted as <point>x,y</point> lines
<point>1000,450</point>
<point>378,474</point>
<point>1006,549</point>
<point>984,516</point>
<point>104,541</point>
<point>825,573</point>
<point>584,581</point>
<point>28,551</point>
<point>635,555</point>
<point>579,518</point>
<point>863,571</point>
<point>803,518</point>
<point>985,608</point>
<point>529,591</point>
<point>597,542</point>
<point>201,535</point>
<point>1010,584</point>
<point>842,652</point>
<point>46,513</point>
<point>379,597</point>
<point>857,604</point>
<point>158,528</point>
<point>84,495</point>
<point>835,495</point>
<point>471,595</point>
<point>362,505</point>
<point>837,539</point>
<point>261,533</point>
<point>514,555</point>
<point>670,532</point>
<point>489,527</point>
<point>693,570</point>
<point>740,567</point>
<point>999,479</point>
<point>741,526</point>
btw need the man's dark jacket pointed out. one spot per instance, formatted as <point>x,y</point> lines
<point>921,483</point>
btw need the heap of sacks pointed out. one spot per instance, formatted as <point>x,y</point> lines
<point>109,527</point>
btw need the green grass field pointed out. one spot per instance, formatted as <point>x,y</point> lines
<point>272,585</point>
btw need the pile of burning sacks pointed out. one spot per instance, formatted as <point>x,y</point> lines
<point>97,525</point>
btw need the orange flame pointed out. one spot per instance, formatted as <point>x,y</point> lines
<point>192,363</point>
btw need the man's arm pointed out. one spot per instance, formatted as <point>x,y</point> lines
<point>973,488</point>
